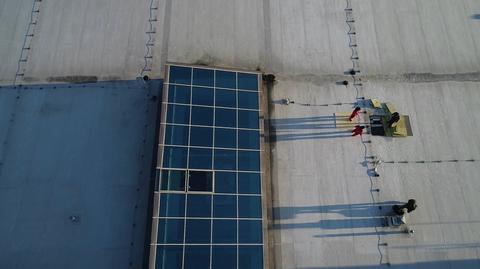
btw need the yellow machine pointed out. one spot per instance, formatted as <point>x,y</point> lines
<point>377,117</point>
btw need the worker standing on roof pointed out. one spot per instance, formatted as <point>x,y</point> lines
<point>354,113</point>
<point>405,208</point>
<point>393,119</point>
<point>358,130</point>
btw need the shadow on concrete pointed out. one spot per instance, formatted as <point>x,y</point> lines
<point>304,136</point>
<point>342,83</point>
<point>351,72</point>
<point>304,126</point>
<point>294,128</point>
<point>347,210</point>
<point>450,264</point>
<point>292,121</point>
<point>326,124</point>
<point>364,215</point>
<point>334,224</point>
<point>279,102</point>
<point>381,233</point>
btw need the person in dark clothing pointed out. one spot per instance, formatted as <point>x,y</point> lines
<point>354,113</point>
<point>409,207</point>
<point>393,119</point>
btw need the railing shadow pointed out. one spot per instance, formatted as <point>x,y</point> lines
<point>304,136</point>
<point>362,215</point>
<point>288,121</point>
<point>334,224</point>
<point>347,210</point>
<point>288,129</point>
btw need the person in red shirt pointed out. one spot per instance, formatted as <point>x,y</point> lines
<point>358,130</point>
<point>354,113</point>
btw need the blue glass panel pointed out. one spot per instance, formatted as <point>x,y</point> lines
<point>225,138</point>
<point>202,115</point>
<point>249,183</point>
<point>200,181</point>
<point>176,135</point>
<point>248,119</point>
<point>170,231</point>
<point>172,205</point>
<point>199,205</point>
<point>173,180</point>
<point>169,257</point>
<point>226,98</point>
<point>250,257</point>
<point>225,79</point>
<point>225,159</point>
<point>225,117</point>
<point>197,231</point>
<point>178,114</point>
<point>197,257</point>
<point>180,75</point>
<point>224,231</point>
<point>250,231</point>
<point>248,139</point>
<point>224,206</point>
<point>202,96</point>
<point>200,158</point>
<point>249,207</point>
<point>174,157</point>
<point>224,257</point>
<point>248,160</point>
<point>203,77</point>
<point>248,81</point>
<point>248,100</point>
<point>201,136</point>
<point>179,94</point>
<point>225,182</point>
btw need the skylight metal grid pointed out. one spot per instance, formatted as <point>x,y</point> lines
<point>208,198</point>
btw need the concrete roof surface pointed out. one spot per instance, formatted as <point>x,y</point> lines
<point>326,206</point>
<point>422,55</point>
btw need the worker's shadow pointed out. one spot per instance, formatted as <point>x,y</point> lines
<point>297,128</point>
<point>334,224</point>
<point>302,120</point>
<point>350,216</point>
<point>304,136</point>
<point>347,210</point>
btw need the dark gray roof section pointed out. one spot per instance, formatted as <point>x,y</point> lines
<point>75,163</point>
